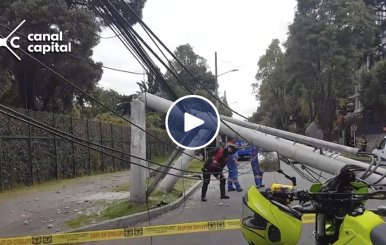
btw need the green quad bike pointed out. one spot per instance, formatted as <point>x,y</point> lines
<point>338,205</point>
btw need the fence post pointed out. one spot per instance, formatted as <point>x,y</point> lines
<point>122,149</point>
<point>1,167</point>
<point>73,149</point>
<point>89,150</point>
<point>102,162</point>
<point>112,144</point>
<point>29,142</point>
<point>55,149</point>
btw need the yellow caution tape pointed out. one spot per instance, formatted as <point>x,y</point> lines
<point>308,218</point>
<point>131,232</point>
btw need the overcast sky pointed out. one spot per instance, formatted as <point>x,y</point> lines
<point>240,32</point>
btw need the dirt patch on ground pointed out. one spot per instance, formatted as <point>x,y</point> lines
<point>44,209</point>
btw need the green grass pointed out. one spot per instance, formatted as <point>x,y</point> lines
<point>196,165</point>
<point>159,159</point>
<point>122,187</point>
<point>125,207</point>
<point>82,220</point>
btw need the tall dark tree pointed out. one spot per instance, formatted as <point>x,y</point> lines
<point>328,42</point>
<point>271,75</point>
<point>39,88</point>
<point>196,65</point>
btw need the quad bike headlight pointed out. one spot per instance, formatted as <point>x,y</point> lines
<point>274,234</point>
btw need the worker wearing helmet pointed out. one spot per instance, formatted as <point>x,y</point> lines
<point>217,159</point>
<point>258,174</point>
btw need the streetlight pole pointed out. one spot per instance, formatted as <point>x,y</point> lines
<point>217,104</point>
<point>216,79</point>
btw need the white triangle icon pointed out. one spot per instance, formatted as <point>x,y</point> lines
<point>191,122</point>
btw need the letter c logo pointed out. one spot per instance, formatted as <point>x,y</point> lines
<point>13,44</point>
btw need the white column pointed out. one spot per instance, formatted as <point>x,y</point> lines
<point>138,148</point>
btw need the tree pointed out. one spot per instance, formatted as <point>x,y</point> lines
<point>373,94</point>
<point>38,88</point>
<point>196,65</point>
<point>273,110</point>
<point>151,86</point>
<point>327,43</point>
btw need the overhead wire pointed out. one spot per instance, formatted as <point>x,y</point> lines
<point>308,170</point>
<point>113,10</point>
<point>90,147</point>
<point>134,43</point>
<point>75,139</point>
<point>58,132</point>
<point>92,98</point>
<point>86,143</point>
<point>123,41</point>
<point>142,23</point>
<point>178,79</point>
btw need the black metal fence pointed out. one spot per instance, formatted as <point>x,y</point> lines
<point>30,155</point>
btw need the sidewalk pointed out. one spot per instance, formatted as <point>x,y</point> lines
<point>45,208</point>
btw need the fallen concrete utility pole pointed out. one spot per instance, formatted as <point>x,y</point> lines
<point>295,151</point>
<point>164,170</point>
<point>292,136</point>
<point>297,138</point>
<point>182,163</point>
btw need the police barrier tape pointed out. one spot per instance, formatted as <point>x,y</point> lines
<point>131,232</point>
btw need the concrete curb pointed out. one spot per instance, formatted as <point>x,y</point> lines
<point>130,220</point>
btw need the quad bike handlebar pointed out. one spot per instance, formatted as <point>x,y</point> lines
<point>325,202</point>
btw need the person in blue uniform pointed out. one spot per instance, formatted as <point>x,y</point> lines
<point>258,174</point>
<point>233,173</point>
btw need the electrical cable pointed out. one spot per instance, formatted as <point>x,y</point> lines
<point>75,139</point>
<point>168,68</point>
<point>108,37</point>
<point>307,169</point>
<point>60,133</point>
<point>93,99</point>
<point>298,171</point>
<point>68,81</point>
<point>135,45</point>
<point>119,35</point>
<point>94,148</point>
<point>142,23</point>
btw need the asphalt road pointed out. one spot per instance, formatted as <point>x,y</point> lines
<point>217,209</point>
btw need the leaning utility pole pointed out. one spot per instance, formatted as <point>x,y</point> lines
<point>164,170</point>
<point>182,163</point>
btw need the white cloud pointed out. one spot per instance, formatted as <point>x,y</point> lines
<point>240,32</point>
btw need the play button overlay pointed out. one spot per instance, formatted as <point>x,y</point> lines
<point>192,122</point>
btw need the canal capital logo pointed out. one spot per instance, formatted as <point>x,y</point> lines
<point>38,43</point>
